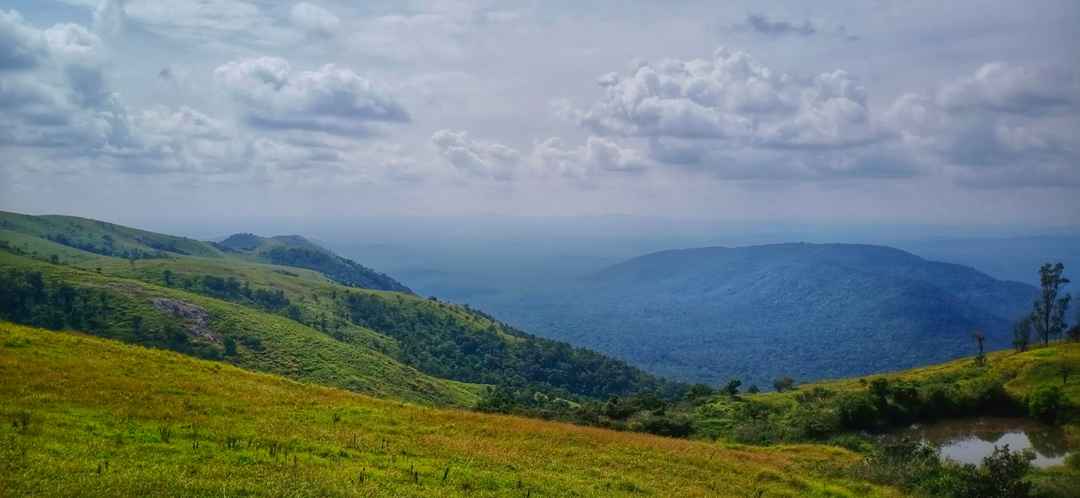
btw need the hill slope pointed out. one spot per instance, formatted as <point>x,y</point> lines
<point>757,313</point>
<point>108,239</point>
<point>72,426</point>
<point>294,250</point>
<point>300,322</point>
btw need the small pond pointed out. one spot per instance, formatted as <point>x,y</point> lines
<point>970,440</point>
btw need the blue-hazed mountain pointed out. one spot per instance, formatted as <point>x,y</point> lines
<point>808,311</point>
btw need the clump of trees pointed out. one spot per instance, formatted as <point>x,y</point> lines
<point>917,467</point>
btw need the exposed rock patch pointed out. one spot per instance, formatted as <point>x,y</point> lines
<point>196,319</point>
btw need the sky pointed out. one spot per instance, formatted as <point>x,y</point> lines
<point>877,111</point>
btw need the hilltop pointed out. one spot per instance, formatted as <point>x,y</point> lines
<point>809,311</point>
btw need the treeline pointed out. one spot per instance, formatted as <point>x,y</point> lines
<point>656,413</point>
<point>26,297</point>
<point>341,270</point>
<point>30,298</point>
<point>435,339</point>
<point>106,247</point>
<point>229,289</point>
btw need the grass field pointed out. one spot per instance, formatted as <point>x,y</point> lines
<point>84,416</point>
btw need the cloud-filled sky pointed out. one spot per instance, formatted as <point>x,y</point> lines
<point>875,111</point>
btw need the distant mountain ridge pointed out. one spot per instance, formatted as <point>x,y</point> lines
<point>294,250</point>
<point>810,311</point>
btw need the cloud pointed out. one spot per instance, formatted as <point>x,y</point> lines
<point>713,113</point>
<point>732,98</point>
<point>332,99</point>
<point>1002,87</point>
<point>474,157</point>
<point>110,19</point>
<point>314,19</point>
<point>762,24</point>
<point>584,163</point>
<point>1005,125</point>
<point>21,46</point>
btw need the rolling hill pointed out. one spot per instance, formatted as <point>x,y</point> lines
<point>221,301</point>
<point>809,311</point>
<point>84,416</point>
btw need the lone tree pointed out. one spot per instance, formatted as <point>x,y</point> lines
<point>784,384</point>
<point>1049,315</point>
<point>732,388</point>
<point>1022,334</point>
<point>980,338</point>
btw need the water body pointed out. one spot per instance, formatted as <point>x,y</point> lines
<point>971,440</point>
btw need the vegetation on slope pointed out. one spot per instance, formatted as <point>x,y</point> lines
<point>90,417</point>
<point>65,297</point>
<point>293,250</point>
<point>810,311</point>
<point>439,339</point>
<point>118,241</point>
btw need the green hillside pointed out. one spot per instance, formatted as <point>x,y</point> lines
<point>1005,384</point>
<point>294,250</point>
<point>84,416</point>
<point>335,328</point>
<point>134,311</point>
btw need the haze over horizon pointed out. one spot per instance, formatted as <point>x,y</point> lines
<point>885,112</point>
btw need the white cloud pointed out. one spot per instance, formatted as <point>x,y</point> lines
<point>475,157</point>
<point>1005,125</point>
<point>732,98</point>
<point>1012,88</point>
<point>331,99</point>
<point>585,163</point>
<point>739,119</point>
<point>314,19</point>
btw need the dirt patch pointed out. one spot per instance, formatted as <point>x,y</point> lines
<point>196,319</point>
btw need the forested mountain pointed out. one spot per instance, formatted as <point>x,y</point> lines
<point>294,250</point>
<point>808,311</point>
<point>58,273</point>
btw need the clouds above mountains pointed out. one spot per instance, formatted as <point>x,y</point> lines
<point>455,98</point>
<point>331,98</point>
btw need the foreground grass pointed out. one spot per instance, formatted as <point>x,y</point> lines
<point>84,416</point>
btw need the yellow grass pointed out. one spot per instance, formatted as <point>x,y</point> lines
<point>83,416</point>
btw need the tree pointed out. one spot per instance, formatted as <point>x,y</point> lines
<point>732,387</point>
<point>230,346</point>
<point>137,326</point>
<point>1022,334</point>
<point>698,391</point>
<point>753,389</point>
<point>980,338</point>
<point>1049,315</point>
<point>167,276</point>
<point>783,384</point>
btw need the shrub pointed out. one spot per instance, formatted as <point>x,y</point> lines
<point>1045,403</point>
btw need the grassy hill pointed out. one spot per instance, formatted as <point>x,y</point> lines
<point>118,241</point>
<point>85,416</point>
<point>284,319</point>
<point>294,250</point>
<point>809,311</point>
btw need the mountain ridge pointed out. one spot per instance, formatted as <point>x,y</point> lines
<point>796,309</point>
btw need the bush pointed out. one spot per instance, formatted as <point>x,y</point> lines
<point>1045,403</point>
